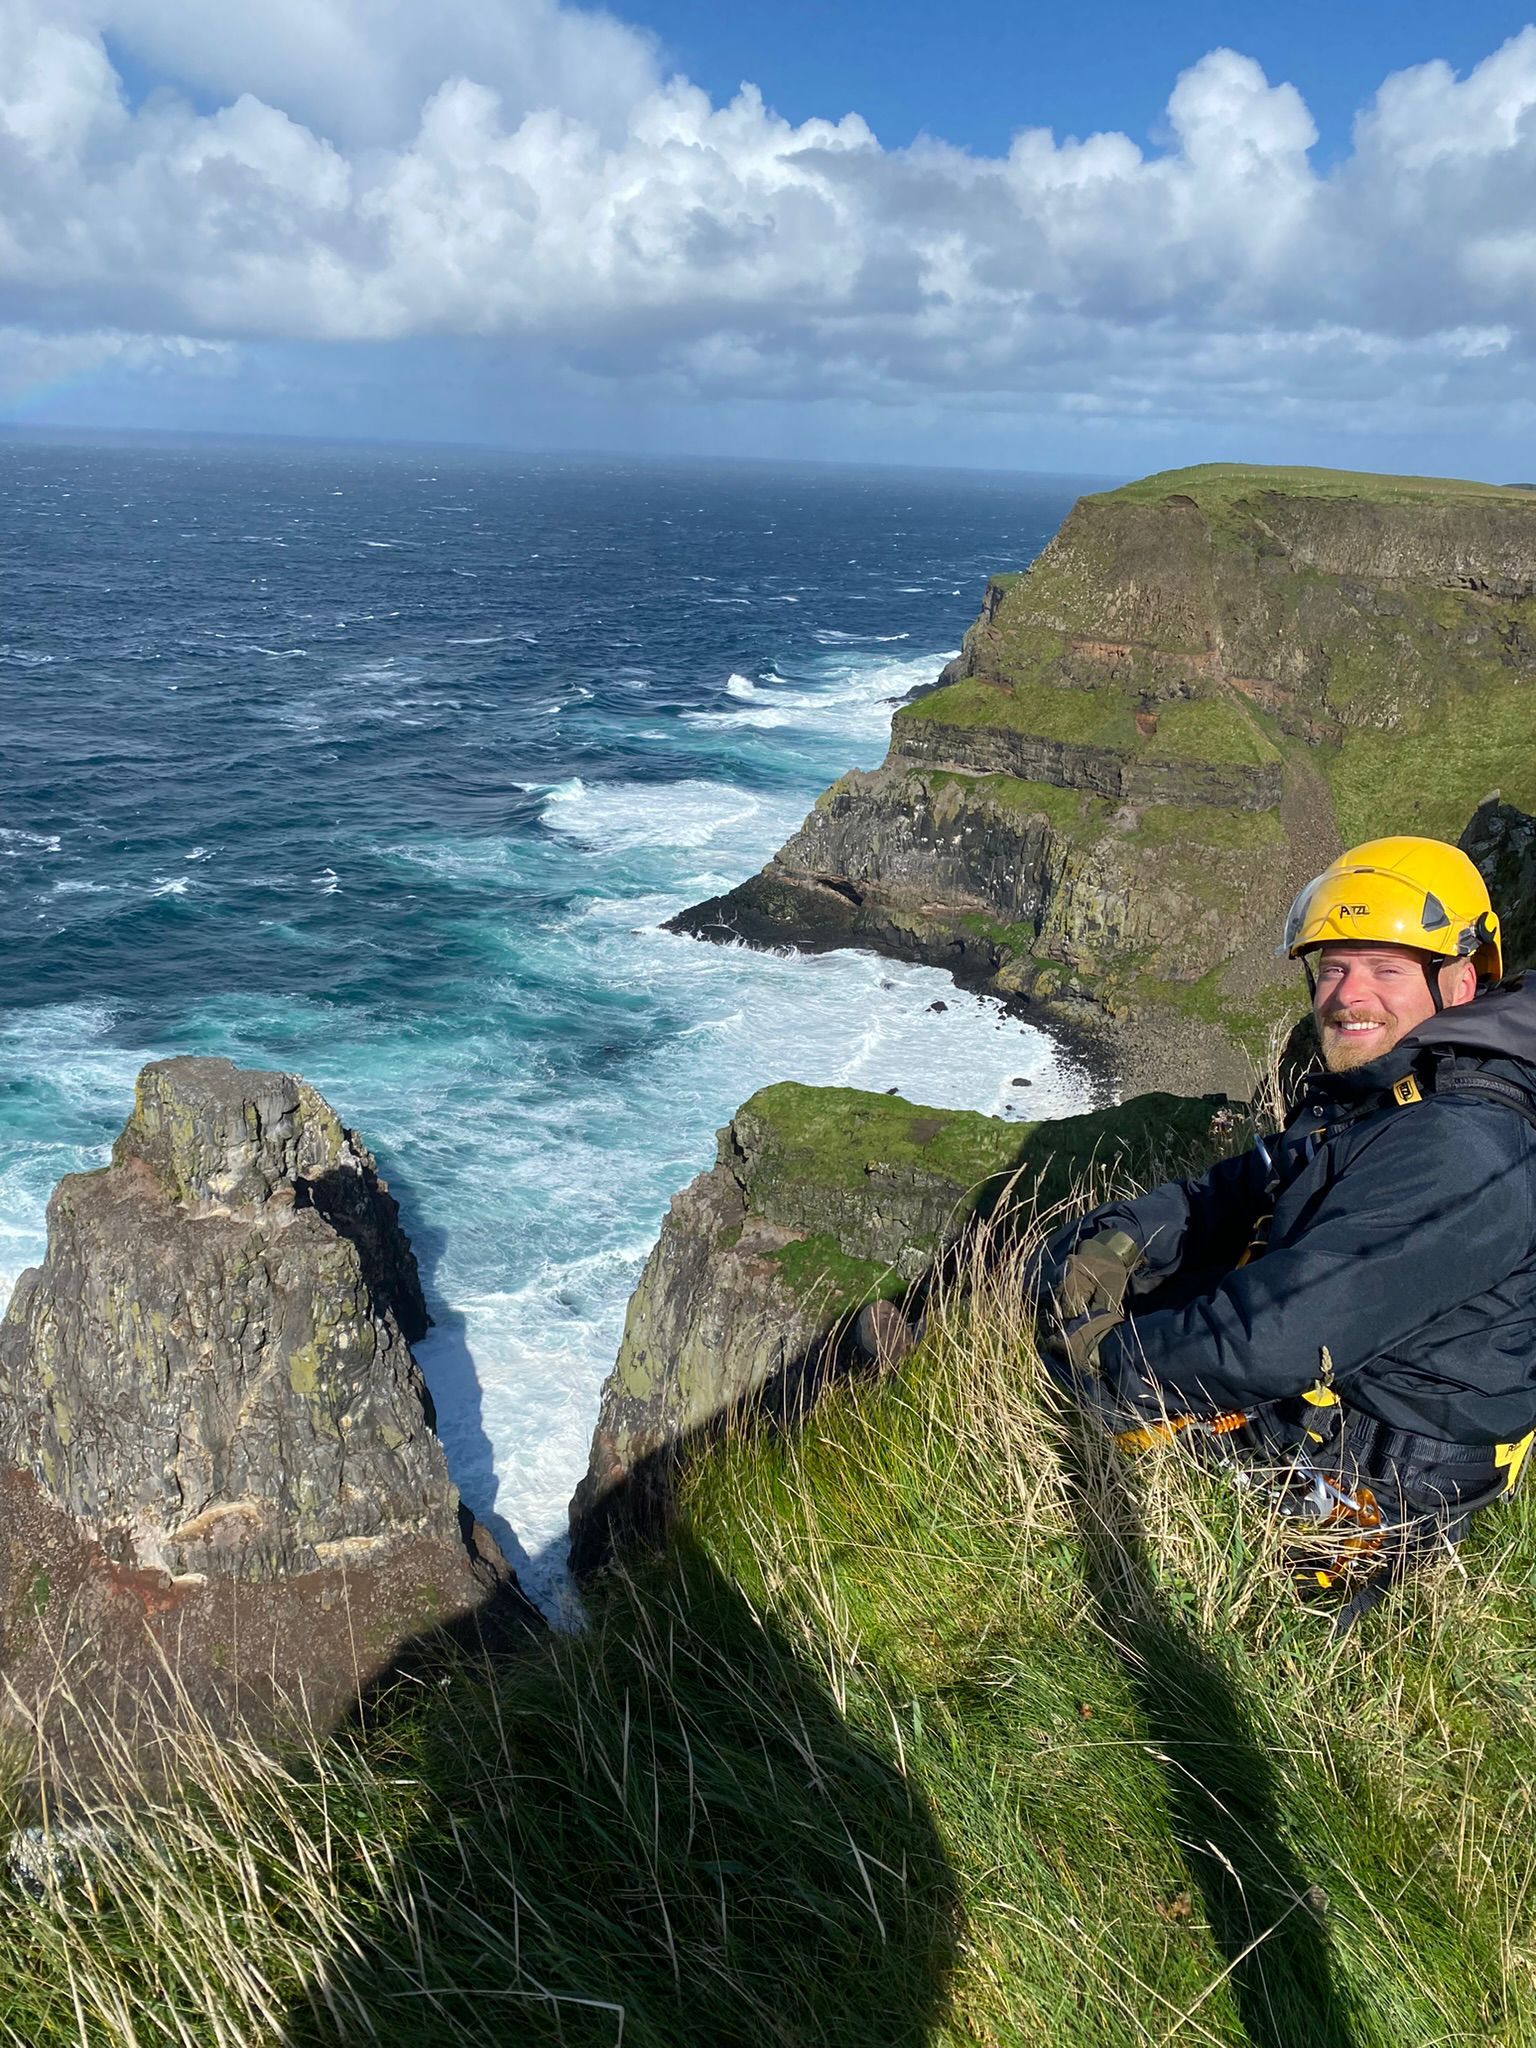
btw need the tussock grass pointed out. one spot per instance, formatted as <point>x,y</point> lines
<point>936,1721</point>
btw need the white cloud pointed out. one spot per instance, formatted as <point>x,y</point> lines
<point>373,171</point>
<point>34,363</point>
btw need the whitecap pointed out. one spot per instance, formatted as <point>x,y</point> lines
<point>16,844</point>
<point>171,885</point>
<point>851,696</point>
<point>619,816</point>
<point>480,640</point>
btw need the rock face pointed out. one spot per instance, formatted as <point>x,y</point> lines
<point>211,1369</point>
<point>1207,684</point>
<point>1502,840</point>
<point>820,1199</point>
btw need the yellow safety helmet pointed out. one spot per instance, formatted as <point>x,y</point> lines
<point>1400,892</point>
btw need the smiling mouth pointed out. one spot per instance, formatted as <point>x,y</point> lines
<point>1356,1029</point>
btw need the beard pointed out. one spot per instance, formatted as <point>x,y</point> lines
<point>1343,1050</point>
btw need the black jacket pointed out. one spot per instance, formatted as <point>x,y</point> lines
<point>1403,1239</point>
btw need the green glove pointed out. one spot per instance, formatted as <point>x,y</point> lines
<point>1077,1346</point>
<point>1096,1275</point>
<point>1090,1299</point>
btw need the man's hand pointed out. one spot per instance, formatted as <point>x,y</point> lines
<point>1096,1275</point>
<point>1090,1299</point>
<point>1076,1344</point>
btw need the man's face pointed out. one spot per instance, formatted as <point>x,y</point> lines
<point>1369,996</point>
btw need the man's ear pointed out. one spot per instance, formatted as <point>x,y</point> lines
<point>1458,983</point>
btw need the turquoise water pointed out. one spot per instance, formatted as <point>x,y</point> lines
<point>385,768</point>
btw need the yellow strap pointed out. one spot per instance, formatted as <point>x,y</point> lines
<point>1511,1458</point>
<point>1406,1090</point>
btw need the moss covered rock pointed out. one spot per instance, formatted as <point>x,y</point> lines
<point>1207,684</point>
<point>820,1200</point>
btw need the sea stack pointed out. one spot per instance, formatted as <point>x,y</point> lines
<point>210,1378</point>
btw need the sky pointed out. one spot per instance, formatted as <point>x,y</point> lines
<point>1104,240</point>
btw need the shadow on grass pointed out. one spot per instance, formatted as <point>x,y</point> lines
<point>662,1833</point>
<point>1224,1808</point>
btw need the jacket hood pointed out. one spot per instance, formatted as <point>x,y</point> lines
<point>1500,1024</point>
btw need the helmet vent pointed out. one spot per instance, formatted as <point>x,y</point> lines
<point>1435,918</point>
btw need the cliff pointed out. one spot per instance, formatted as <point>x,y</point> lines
<point>821,1199</point>
<point>1208,683</point>
<point>208,1402</point>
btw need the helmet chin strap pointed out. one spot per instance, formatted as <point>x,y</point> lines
<point>1432,967</point>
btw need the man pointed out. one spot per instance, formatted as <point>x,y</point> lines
<point>1360,1292</point>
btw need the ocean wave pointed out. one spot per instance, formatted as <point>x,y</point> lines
<point>852,695</point>
<point>619,816</point>
<point>16,844</point>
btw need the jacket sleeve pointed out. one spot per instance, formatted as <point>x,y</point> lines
<point>1434,1208</point>
<point>1183,1223</point>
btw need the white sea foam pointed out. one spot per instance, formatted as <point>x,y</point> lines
<point>565,1191</point>
<point>16,844</point>
<point>69,1088</point>
<point>621,816</point>
<point>850,696</point>
<point>170,885</point>
<point>830,637</point>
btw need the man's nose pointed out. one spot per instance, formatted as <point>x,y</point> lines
<point>1355,984</point>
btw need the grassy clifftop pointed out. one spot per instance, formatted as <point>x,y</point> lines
<point>1206,685</point>
<point>1218,483</point>
<point>1344,609</point>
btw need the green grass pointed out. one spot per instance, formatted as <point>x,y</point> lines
<point>1208,729</point>
<point>1215,729</point>
<point>1099,718</point>
<point>1429,776</point>
<point>817,1267</point>
<point>1218,483</point>
<point>933,1724</point>
<point>1178,827</point>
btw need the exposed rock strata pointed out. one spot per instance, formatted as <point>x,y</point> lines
<point>210,1375</point>
<point>1206,685</point>
<point>819,1199</point>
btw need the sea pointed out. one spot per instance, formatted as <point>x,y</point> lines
<point>385,767</point>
